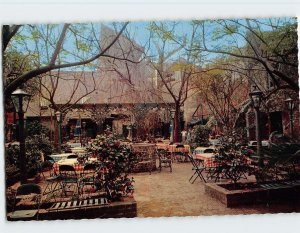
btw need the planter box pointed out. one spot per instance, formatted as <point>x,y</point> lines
<point>254,194</point>
<point>120,209</point>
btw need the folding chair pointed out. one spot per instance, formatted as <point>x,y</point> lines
<point>51,161</point>
<point>198,168</point>
<point>68,178</point>
<point>88,177</point>
<point>25,191</point>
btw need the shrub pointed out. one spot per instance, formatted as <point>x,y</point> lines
<point>117,161</point>
<point>280,162</point>
<point>36,146</point>
<point>231,155</point>
<point>200,136</point>
<point>36,128</point>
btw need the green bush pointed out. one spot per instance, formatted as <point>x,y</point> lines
<point>36,128</point>
<point>280,162</point>
<point>231,155</point>
<point>200,136</point>
<point>36,146</point>
<point>118,161</point>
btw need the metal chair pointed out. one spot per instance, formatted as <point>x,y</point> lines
<point>198,168</point>
<point>51,161</point>
<point>26,191</point>
<point>88,177</point>
<point>145,161</point>
<point>68,179</point>
<point>165,159</point>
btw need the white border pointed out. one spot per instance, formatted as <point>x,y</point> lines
<point>34,11</point>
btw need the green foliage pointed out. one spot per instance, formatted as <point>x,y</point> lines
<point>36,128</point>
<point>161,31</point>
<point>37,145</point>
<point>118,161</point>
<point>231,156</point>
<point>280,162</point>
<point>200,136</point>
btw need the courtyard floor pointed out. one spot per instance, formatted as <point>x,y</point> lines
<point>165,194</point>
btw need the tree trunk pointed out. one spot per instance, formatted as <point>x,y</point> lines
<point>176,124</point>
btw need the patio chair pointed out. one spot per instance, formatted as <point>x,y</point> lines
<point>165,159</point>
<point>29,192</point>
<point>145,161</point>
<point>51,161</point>
<point>221,170</point>
<point>68,179</point>
<point>72,157</point>
<point>198,168</point>
<point>88,177</point>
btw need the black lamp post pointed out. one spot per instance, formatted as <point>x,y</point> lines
<point>290,105</point>
<point>59,120</point>
<point>172,116</point>
<point>21,99</point>
<point>84,132</point>
<point>256,97</point>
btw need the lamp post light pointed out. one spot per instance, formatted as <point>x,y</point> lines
<point>290,106</point>
<point>59,120</point>
<point>129,128</point>
<point>21,99</point>
<point>172,131</point>
<point>84,132</point>
<point>256,98</point>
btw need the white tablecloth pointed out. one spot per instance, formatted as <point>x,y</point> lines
<point>59,157</point>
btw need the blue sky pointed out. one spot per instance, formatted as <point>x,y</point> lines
<point>138,31</point>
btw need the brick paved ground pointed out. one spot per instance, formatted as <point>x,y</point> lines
<point>171,194</point>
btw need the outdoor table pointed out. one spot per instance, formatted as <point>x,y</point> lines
<point>208,160</point>
<point>58,157</point>
<point>162,146</point>
<point>73,162</point>
<point>78,150</point>
<point>173,149</point>
<point>74,144</point>
<point>143,147</point>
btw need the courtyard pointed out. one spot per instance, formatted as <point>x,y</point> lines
<point>151,119</point>
<point>165,194</point>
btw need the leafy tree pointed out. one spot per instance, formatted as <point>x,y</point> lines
<point>223,91</point>
<point>174,62</point>
<point>266,44</point>
<point>53,47</point>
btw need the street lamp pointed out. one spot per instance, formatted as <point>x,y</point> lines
<point>173,126</point>
<point>129,136</point>
<point>290,105</point>
<point>256,98</point>
<point>84,132</point>
<point>21,99</point>
<point>59,120</point>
